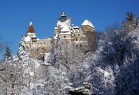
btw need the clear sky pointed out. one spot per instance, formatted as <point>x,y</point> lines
<point>15,15</point>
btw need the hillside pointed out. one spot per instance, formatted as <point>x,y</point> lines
<point>111,68</point>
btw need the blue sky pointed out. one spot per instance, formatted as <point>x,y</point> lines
<point>15,15</point>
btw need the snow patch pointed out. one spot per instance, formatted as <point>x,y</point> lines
<point>31,73</point>
<point>106,74</point>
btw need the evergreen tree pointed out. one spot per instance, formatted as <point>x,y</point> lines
<point>23,52</point>
<point>7,54</point>
<point>131,22</point>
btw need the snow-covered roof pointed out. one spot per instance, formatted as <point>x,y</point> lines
<point>65,33</point>
<point>76,27</point>
<point>56,28</point>
<point>33,35</point>
<point>62,24</point>
<point>65,28</point>
<point>27,38</point>
<point>67,21</point>
<point>87,22</point>
<point>49,39</point>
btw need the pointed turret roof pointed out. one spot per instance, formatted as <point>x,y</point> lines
<point>87,22</point>
<point>30,29</point>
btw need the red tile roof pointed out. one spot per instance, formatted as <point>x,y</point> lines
<point>31,29</point>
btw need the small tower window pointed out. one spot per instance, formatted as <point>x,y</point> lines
<point>64,36</point>
<point>78,34</point>
<point>74,35</point>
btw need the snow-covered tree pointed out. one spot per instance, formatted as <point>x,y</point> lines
<point>10,78</point>
<point>7,54</point>
<point>23,52</point>
<point>127,78</point>
<point>112,69</point>
<point>131,22</point>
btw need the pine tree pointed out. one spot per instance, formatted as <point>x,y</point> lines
<point>8,54</point>
<point>131,22</point>
<point>23,52</point>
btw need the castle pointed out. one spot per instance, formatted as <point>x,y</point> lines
<point>80,37</point>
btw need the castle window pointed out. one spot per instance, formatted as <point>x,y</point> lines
<point>80,45</point>
<point>76,39</point>
<point>74,35</point>
<point>78,34</point>
<point>64,36</point>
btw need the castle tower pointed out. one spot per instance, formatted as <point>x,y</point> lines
<point>63,17</point>
<point>62,29</point>
<point>37,47</point>
<point>31,32</point>
<point>63,20</point>
<point>88,31</point>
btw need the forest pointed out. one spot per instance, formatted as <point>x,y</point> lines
<point>110,68</point>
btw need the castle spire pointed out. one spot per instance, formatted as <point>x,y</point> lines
<point>30,23</point>
<point>63,17</point>
<point>31,32</point>
<point>63,14</point>
<point>31,28</point>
